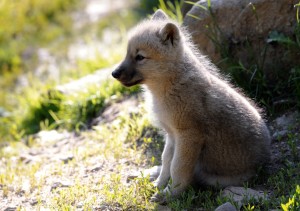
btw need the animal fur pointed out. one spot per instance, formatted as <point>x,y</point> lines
<point>215,135</point>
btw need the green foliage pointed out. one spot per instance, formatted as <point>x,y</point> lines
<point>148,6</point>
<point>119,140</point>
<point>172,9</point>
<point>297,13</point>
<point>294,203</point>
<point>53,110</point>
<point>78,110</point>
<point>134,197</point>
<point>283,183</point>
<point>26,25</point>
<point>33,20</point>
<point>274,36</point>
<point>115,142</point>
<point>40,111</point>
<point>200,6</point>
<point>66,198</point>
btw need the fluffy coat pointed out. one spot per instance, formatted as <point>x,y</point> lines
<point>215,135</point>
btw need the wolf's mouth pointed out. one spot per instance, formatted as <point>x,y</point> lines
<point>128,84</point>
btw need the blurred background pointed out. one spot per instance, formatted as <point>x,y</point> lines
<point>47,43</point>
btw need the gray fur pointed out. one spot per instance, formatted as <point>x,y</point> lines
<point>215,135</point>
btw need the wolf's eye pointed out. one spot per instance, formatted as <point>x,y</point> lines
<point>139,57</point>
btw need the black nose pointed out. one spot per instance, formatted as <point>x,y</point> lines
<point>117,73</point>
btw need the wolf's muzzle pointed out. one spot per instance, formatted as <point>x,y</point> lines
<point>117,73</point>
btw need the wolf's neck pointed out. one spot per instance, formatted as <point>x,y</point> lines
<point>162,87</point>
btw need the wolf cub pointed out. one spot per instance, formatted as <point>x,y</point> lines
<point>214,135</point>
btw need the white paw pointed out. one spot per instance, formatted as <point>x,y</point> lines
<point>159,198</point>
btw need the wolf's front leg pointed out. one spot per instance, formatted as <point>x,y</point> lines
<point>187,150</point>
<point>167,156</point>
<point>184,161</point>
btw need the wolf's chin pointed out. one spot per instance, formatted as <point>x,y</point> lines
<point>129,84</point>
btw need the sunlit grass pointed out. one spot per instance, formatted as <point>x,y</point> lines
<point>30,105</point>
<point>129,142</point>
<point>35,22</point>
<point>114,142</point>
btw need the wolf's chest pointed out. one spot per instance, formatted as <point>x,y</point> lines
<point>170,116</point>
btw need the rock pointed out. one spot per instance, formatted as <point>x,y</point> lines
<point>10,208</point>
<point>109,114</point>
<point>84,83</point>
<point>95,168</point>
<point>101,207</point>
<point>51,136</point>
<point>26,186</point>
<point>132,176</point>
<point>286,120</point>
<point>80,204</point>
<point>241,26</point>
<point>240,194</point>
<point>153,173</point>
<point>66,159</point>
<point>163,208</point>
<point>34,202</point>
<point>226,207</point>
<point>4,113</point>
<point>61,184</point>
<point>279,134</point>
<point>284,125</point>
<point>27,158</point>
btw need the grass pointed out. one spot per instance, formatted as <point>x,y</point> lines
<point>56,110</point>
<point>36,24</point>
<point>294,201</point>
<point>172,9</point>
<point>113,142</point>
<point>45,20</point>
<point>33,106</point>
<point>103,155</point>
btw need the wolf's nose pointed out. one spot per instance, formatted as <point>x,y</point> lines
<point>116,73</point>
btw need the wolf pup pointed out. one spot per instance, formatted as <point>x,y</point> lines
<point>215,135</point>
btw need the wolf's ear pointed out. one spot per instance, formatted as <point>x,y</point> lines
<point>159,15</point>
<point>169,33</point>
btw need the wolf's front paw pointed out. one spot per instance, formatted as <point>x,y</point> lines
<point>159,183</point>
<point>162,197</point>
<point>156,183</point>
<point>159,198</point>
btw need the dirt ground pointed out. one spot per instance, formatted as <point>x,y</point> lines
<point>58,156</point>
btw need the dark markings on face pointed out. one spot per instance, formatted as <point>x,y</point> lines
<point>127,72</point>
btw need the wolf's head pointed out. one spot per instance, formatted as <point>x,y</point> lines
<point>154,47</point>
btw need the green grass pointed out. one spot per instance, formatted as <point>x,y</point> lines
<point>52,109</point>
<point>35,22</point>
<point>34,107</point>
<point>35,25</point>
<point>172,9</point>
<point>127,142</point>
<point>293,202</point>
<point>114,141</point>
<point>118,141</point>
